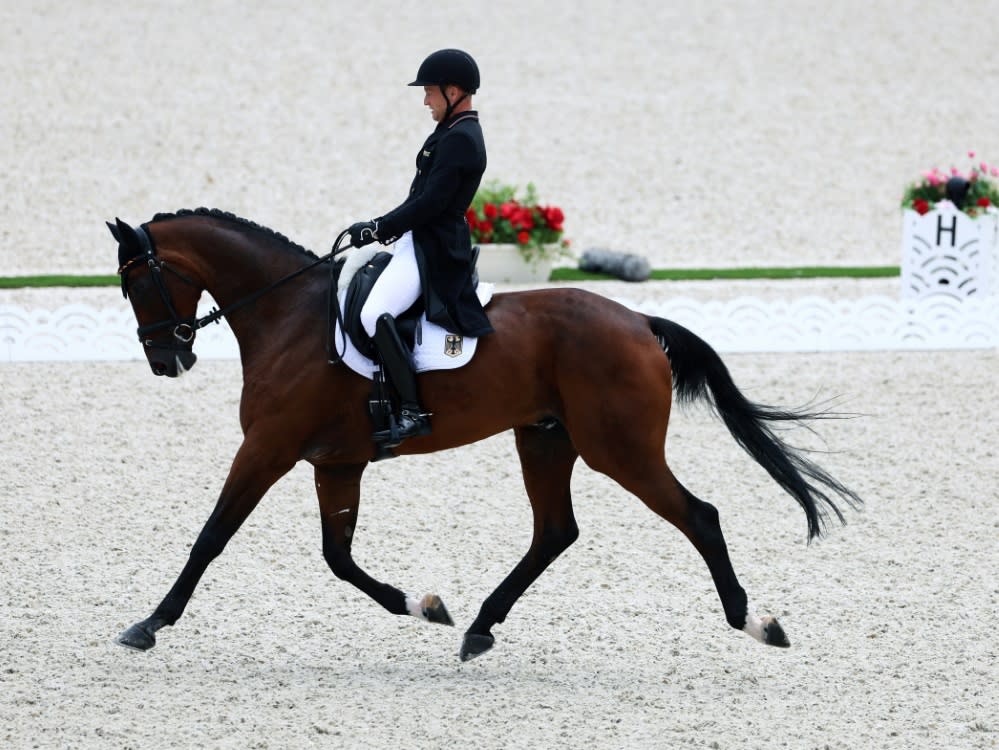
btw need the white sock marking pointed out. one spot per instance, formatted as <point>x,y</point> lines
<point>415,607</point>
<point>754,625</point>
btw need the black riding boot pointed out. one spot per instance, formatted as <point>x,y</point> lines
<point>412,421</point>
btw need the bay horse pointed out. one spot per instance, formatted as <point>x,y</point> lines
<point>573,374</point>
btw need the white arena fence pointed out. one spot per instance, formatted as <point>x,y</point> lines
<point>746,324</point>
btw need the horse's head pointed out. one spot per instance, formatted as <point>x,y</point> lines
<point>164,300</point>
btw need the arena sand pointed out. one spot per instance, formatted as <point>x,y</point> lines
<point>109,474</point>
<point>766,134</point>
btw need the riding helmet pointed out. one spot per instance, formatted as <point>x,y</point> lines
<point>449,66</point>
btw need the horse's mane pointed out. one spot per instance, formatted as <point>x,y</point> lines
<point>216,213</point>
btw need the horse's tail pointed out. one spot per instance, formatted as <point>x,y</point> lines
<point>699,373</point>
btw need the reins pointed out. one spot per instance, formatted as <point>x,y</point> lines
<point>334,315</point>
<point>185,328</point>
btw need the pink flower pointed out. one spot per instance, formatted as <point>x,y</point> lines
<point>971,154</point>
<point>984,167</point>
<point>995,172</point>
<point>955,172</point>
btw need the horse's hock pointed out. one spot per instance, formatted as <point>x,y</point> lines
<point>946,252</point>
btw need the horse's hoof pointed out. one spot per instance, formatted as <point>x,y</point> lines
<point>773,633</point>
<point>474,645</point>
<point>434,610</point>
<point>137,637</point>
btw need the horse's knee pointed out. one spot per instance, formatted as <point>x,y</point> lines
<point>209,544</point>
<point>557,539</point>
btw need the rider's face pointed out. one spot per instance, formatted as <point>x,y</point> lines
<point>433,99</point>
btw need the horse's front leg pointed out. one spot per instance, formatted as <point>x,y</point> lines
<point>339,492</point>
<point>252,474</point>
<point>547,456</point>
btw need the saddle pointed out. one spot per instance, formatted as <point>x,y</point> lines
<point>359,287</point>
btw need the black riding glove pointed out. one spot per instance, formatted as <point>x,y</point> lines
<point>363,233</point>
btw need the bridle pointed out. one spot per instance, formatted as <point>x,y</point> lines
<point>185,329</point>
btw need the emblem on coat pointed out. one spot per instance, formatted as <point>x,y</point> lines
<point>452,344</point>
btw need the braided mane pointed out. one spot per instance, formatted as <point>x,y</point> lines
<point>216,213</point>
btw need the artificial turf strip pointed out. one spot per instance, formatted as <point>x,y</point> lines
<point>558,274</point>
<point>703,274</point>
<point>29,282</point>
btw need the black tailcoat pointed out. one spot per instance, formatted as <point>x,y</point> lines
<point>449,168</point>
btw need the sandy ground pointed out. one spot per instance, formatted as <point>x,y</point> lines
<point>728,134</point>
<point>109,474</point>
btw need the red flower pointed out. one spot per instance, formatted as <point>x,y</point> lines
<point>554,217</point>
<point>485,227</point>
<point>490,211</point>
<point>471,218</point>
<point>921,206</point>
<point>983,202</point>
<point>508,209</point>
<point>523,237</point>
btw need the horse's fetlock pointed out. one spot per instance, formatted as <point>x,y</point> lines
<point>736,621</point>
<point>737,609</point>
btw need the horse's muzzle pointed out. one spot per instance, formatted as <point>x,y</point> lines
<point>171,362</point>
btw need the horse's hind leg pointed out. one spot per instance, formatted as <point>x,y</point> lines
<point>546,458</point>
<point>622,433</point>
<point>339,491</point>
<point>698,521</point>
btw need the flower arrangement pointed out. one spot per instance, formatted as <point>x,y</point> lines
<point>497,216</point>
<point>982,193</point>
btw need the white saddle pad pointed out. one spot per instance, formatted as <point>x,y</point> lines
<point>435,349</point>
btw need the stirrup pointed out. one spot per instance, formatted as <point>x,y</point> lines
<point>411,423</point>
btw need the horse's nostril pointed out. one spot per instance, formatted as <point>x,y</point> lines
<point>159,368</point>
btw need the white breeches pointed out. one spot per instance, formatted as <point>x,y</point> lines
<point>397,288</point>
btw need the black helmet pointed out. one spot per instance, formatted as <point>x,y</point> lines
<point>449,66</point>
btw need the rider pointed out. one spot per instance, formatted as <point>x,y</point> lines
<point>433,246</point>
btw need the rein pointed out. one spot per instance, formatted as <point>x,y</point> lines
<point>184,329</point>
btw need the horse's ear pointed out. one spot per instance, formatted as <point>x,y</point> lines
<point>128,242</point>
<point>114,231</point>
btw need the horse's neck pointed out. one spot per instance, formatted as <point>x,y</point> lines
<point>233,265</point>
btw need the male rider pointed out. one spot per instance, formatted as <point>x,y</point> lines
<point>433,246</point>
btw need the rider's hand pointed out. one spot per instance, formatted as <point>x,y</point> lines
<point>363,233</point>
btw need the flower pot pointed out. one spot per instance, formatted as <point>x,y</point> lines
<point>505,264</point>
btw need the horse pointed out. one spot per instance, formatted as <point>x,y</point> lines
<point>572,374</point>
